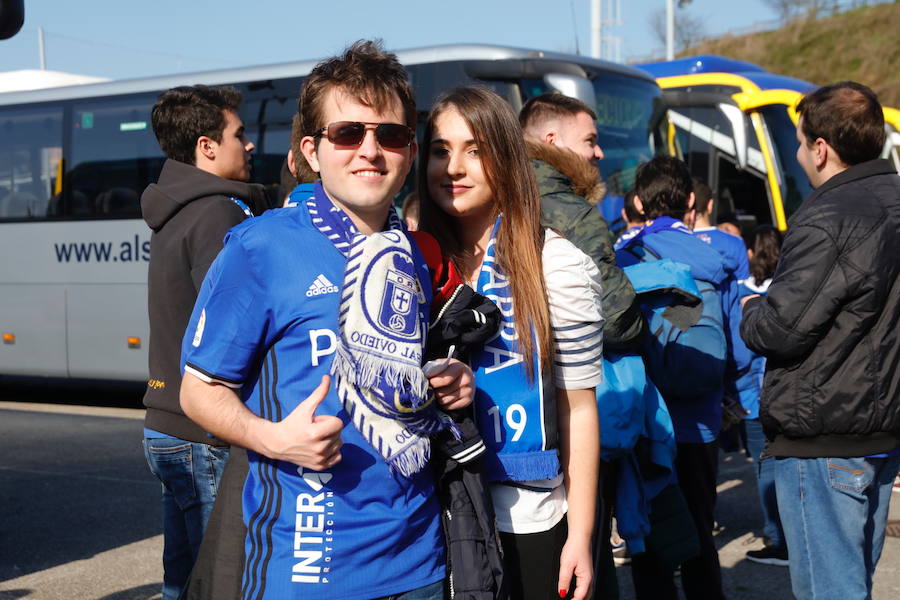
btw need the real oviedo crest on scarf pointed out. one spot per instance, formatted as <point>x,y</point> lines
<point>383,320</point>
<point>393,298</point>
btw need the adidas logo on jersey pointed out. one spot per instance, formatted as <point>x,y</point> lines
<point>321,286</point>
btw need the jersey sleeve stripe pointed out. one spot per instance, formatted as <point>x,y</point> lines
<point>580,349</point>
<point>593,334</point>
<point>592,360</point>
<point>209,378</point>
<point>575,326</point>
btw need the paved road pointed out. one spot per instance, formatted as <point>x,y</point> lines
<point>80,518</point>
<point>737,514</point>
<point>79,511</point>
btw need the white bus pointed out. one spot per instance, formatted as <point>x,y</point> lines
<point>74,161</point>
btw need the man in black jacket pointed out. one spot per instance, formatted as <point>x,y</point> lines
<point>830,329</point>
<point>200,195</point>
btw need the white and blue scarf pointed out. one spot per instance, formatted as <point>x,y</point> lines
<point>377,365</point>
<point>516,418</point>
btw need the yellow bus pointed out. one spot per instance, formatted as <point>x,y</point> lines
<point>734,123</point>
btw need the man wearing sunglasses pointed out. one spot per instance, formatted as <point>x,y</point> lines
<point>329,511</point>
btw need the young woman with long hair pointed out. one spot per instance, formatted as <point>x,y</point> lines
<point>535,401</point>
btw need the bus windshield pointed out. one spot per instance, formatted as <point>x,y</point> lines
<point>629,112</point>
<point>795,186</point>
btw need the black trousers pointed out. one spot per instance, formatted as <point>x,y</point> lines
<point>697,467</point>
<point>531,561</point>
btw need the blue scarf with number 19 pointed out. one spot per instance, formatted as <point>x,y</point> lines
<point>511,411</point>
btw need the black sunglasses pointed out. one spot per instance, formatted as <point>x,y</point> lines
<point>352,133</point>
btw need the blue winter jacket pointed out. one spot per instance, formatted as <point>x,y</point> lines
<point>740,382</point>
<point>698,419</point>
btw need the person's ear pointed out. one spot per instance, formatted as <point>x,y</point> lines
<point>290,163</point>
<point>709,206</point>
<point>206,147</point>
<point>550,137</point>
<point>310,152</point>
<point>691,200</point>
<point>821,147</point>
<point>639,205</point>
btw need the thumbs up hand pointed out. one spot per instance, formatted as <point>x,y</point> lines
<point>305,438</point>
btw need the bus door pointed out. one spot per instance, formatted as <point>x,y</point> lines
<point>892,145</point>
<point>722,149</point>
<point>32,319</point>
<point>101,243</point>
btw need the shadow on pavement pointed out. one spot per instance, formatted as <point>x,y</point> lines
<point>71,486</point>
<point>738,516</point>
<point>143,592</point>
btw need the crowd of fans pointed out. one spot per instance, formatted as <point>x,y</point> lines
<point>482,401</point>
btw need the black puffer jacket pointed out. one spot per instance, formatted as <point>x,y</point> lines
<point>830,325</point>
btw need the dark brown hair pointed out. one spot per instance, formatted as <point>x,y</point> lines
<point>367,74</point>
<point>508,171</point>
<point>552,105</point>
<point>631,212</point>
<point>766,246</point>
<point>702,195</point>
<point>848,116</point>
<point>184,114</point>
<point>305,173</point>
<point>664,186</point>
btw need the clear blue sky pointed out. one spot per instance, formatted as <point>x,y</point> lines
<point>123,38</point>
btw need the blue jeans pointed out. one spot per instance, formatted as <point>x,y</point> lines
<point>834,512</point>
<point>435,591</point>
<point>765,482</point>
<point>190,474</point>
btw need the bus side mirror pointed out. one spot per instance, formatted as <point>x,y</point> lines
<point>735,118</point>
<point>572,86</point>
<point>12,15</point>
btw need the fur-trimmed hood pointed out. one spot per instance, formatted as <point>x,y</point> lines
<point>568,171</point>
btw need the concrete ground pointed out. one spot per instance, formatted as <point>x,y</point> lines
<point>738,515</point>
<point>80,519</point>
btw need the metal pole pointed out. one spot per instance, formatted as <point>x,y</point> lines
<point>596,33</point>
<point>41,49</point>
<point>670,29</point>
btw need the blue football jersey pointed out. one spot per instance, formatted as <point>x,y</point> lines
<point>266,322</point>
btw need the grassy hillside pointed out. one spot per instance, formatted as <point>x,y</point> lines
<point>861,44</point>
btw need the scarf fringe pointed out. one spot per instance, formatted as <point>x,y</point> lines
<point>524,466</point>
<point>412,458</point>
<point>365,371</point>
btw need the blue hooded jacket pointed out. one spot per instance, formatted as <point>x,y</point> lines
<point>740,382</point>
<point>697,419</point>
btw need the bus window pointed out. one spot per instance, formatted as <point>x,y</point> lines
<point>629,113</point>
<point>892,146</point>
<point>114,157</point>
<point>29,161</point>
<point>742,193</point>
<point>795,185</point>
<point>267,110</point>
